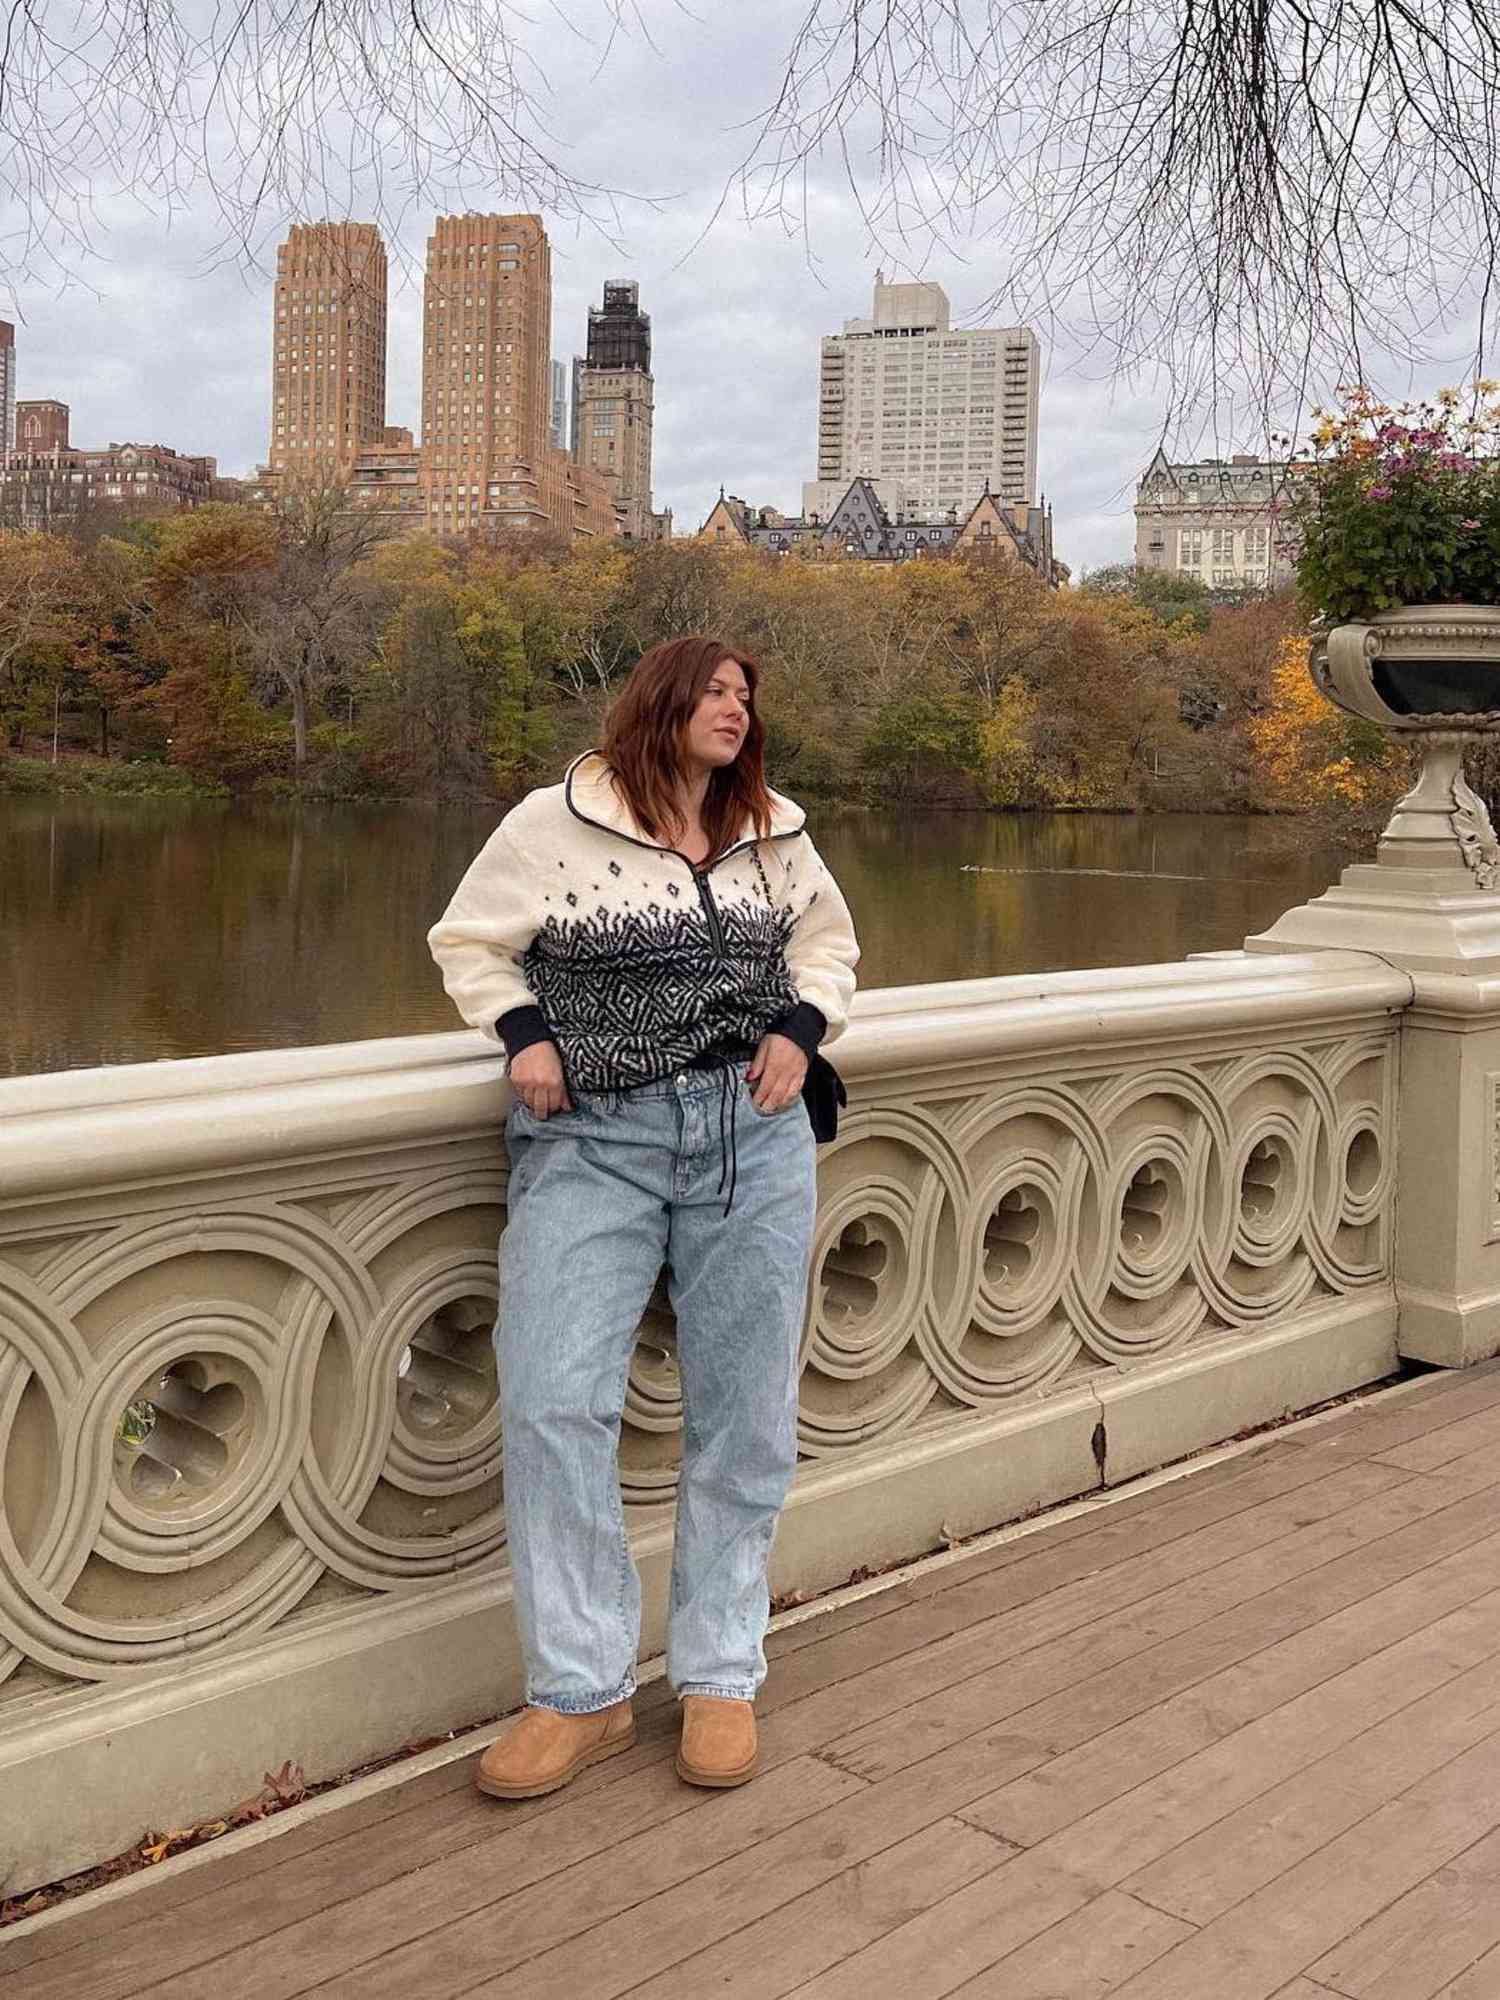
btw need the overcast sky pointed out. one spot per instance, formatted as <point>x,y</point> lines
<point>161,337</point>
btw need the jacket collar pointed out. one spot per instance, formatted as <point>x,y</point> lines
<point>591,795</point>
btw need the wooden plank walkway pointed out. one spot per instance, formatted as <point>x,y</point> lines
<point>1234,1737</point>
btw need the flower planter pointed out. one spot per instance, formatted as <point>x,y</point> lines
<point>1431,900</point>
<point>1426,666</point>
<point>1431,671</point>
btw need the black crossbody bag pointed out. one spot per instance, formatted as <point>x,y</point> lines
<point>823,1091</point>
<point>825,1096</point>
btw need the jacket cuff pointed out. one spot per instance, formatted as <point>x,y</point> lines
<point>521,1028</point>
<point>803,1024</point>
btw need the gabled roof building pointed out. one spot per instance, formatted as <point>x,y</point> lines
<point>860,527</point>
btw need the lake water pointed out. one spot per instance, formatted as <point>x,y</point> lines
<point>136,930</point>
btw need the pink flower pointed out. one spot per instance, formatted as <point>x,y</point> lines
<point>1468,524</point>
<point>1380,492</point>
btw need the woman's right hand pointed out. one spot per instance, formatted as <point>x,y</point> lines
<point>536,1077</point>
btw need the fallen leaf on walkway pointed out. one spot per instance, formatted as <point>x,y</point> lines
<point>157,1846</point>
<point>288,1784</point>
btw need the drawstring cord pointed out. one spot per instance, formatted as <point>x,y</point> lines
<point>729,1157</point>
<point>729,1087</point>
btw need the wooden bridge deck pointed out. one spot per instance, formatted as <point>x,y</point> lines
<point>1237,1736</point>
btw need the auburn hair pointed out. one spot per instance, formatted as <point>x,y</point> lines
<point>645,735</point>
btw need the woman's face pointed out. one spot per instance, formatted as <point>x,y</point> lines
<point>717,726</point>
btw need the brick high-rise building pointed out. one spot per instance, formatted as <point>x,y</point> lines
<point>486,366</point>
<point>7,386</point>
<point>489,460</point>
<point>387,479</point>
<point>328,393</point>
<point>41,425</point>
<point>616,404</point>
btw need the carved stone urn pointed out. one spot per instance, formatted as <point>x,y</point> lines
<point>1431,899</point>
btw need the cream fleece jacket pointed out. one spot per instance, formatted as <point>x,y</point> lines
<point>573,924</point>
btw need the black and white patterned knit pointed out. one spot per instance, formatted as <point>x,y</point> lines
<point>572,925</point>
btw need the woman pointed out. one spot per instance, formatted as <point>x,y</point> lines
<point>661,950</point>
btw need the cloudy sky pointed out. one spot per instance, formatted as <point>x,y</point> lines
<point>162,334</point>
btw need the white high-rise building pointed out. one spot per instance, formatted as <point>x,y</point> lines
<point>934,415</point>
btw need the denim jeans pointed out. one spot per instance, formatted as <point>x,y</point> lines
<point>601,1197</point>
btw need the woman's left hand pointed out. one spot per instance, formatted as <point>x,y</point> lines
<point>777,1074</point>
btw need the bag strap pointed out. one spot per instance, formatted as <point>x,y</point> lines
<point>761,872</point>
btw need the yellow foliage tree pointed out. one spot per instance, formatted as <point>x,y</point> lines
<point>1006,737</point>
<point>1311,757</point>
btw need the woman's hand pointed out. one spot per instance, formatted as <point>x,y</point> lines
<point>777,1074</point>
<point>536,1077</point>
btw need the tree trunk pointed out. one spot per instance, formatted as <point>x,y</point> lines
<point>299,726</point>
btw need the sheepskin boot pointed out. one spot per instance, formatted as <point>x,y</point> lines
<point>546,1749</point>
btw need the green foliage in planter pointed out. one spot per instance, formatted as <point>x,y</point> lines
<point>1399,505</point>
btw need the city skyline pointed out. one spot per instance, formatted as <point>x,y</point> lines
<point>157,332</point>
<point>547,377</point>
<point>693,455</point>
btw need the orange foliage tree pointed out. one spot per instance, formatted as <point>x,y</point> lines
<point>1313,758</point>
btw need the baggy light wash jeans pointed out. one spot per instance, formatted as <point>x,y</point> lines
<point>600,1198</point>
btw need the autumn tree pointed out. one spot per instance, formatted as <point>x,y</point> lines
<point>518,726</point>
<point>41,587</point>
<point>206,583</point>
<point>315,617</point>
<point>1313,758</point>
<point>114,666</point>
<point>453,703</point>
<point>1108,697</point>
<point>424,725</point>
<point>925,749</point>
<point>674,588</point>
<point>1169,593</point>
<point>249,645</point>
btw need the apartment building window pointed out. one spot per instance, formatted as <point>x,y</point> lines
<point>1190,548</point>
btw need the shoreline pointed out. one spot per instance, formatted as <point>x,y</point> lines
<point>24,776</point>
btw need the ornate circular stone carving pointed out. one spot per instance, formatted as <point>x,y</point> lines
<point>183,1431</point>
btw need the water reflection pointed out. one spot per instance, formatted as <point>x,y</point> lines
<point>944,897</point>
<point>137,930</point>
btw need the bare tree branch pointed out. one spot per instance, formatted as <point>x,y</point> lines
<point>281,109</point>
<point>1202,192</point>
<point>1194,190</point>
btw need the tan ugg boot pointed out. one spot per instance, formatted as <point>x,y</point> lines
<point>718,1741</point>
<point>545,1750</point>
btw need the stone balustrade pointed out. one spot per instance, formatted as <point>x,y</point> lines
<point>251,1494</point>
